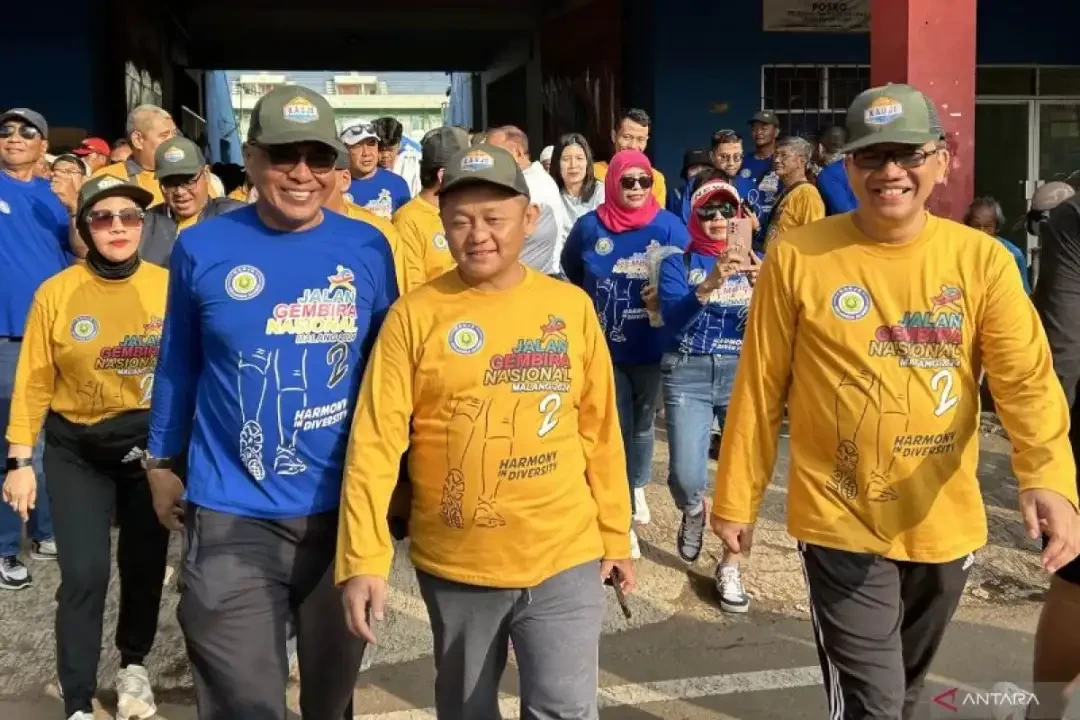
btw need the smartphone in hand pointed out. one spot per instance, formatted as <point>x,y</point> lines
<point>740,236</point>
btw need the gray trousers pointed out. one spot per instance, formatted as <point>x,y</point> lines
<point>243,579</point>
<point>878,624</point>
<point>555,627</point>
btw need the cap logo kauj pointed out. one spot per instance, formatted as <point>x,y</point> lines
<point>882,111</point>
<point>174,155</point>
<point>477,161</point>
<point>109,182</point>
<point>300,110</point>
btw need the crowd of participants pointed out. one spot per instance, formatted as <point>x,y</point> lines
<point>353,340</point>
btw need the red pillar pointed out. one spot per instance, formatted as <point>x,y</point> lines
<point>930,44</point>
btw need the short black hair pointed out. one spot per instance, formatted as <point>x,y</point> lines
<point>636,115</point>
<point>389,131</point>
<point>429,176</point>
<point>833,138</point>
<point>122,142</point>
<point>588,186</point>
<point>725,136</point>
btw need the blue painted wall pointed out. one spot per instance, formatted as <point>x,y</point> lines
<point>56,71</point>
<point>706,53</point>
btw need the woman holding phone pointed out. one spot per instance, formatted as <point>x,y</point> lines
<point>704,297</point>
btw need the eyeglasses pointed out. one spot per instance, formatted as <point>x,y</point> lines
<point>320,159</point>
<point>907,158</point>
<point>103,219</point>
<point>712,212</point>
<point>629,182</point>
<point>26,132</point>
<point>179,181</point>
<point>359,133</point>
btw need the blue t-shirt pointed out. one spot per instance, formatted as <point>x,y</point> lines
<point>832,183</point>
<point>33,246</point>
<point>713,328</point>
<point>382,193</point>
<point>265,342</point>
<point>759,185</point>
<point>612,268</point>
<point>1021,262</point>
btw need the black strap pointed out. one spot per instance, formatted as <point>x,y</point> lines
<point>780,200</point>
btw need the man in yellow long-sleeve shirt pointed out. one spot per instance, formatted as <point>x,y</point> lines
<point>498,381</point>
<point>425,252</point>
<point>873,328</point>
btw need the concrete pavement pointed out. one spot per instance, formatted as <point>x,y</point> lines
<point>679,657</point>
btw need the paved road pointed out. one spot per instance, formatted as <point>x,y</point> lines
<point>679,657</point>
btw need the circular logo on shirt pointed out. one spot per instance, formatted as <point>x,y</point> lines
<point>745,173</point>
<point>851,302</point>
<point>604,246</point>
<point>439,241</point>
<point>5,208</point>
<point>244,282</point>
<point>84,328</point>
<point>697,276</point>
<point>466,338</point>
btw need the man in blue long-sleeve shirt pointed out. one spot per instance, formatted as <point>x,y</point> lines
<point>832,181</point>
<point>272,312</point>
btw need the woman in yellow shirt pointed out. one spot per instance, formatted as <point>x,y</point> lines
<point>85,373</point>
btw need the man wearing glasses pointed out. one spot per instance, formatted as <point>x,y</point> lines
<point>800,202</point>
<point>380,191</point>
<point>33,247</point>
<point>182,172</point>
<point>272,311</point>
<point>873,328</point>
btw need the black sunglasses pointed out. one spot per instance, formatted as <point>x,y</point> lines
<point>103,219</point>
<point>629,182</point>
<point>26,132</point>
<point>320,159</point>
<point>872,159</point>
<point>711,212</point>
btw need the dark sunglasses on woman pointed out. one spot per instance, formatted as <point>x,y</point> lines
<point>103,219</point>
<point>26,132</point>
<point>711,212</point>
<point>629,183</point>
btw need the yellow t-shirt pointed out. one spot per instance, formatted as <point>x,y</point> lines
<point>89,350</point>
<point>659,188</point>
<point>877,351</point>
<point>802,206</point>
<point>388,230</point>
<point>240,194</point>
<point>506,403</point>
<point>423,242</point>
<point>144,179</point>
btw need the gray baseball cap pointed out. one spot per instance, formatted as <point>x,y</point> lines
<point>765,116</point>
<point>894,113</point>
<point>292,114</point>
<point>28,116</point>
<point>487,164</point>
<point>178,156</point>
<point>441,144</point>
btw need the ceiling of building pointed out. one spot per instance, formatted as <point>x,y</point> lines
<point>327,34</point>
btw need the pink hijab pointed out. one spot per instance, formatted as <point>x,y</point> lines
<point>700,242</point>
<point>616,216</point>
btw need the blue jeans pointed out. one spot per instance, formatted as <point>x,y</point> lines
<point>696,389</point>
<point>637,394</point>
<point>40,525</point>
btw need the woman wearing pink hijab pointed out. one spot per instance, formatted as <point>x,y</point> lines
<point>606,255</point>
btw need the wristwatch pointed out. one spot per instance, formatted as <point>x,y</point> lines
<point>152,463</point>
<point>16,463</point>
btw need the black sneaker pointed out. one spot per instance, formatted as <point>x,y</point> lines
<point>14,575</point>
<point>691,535</point>
<point>43,550</point>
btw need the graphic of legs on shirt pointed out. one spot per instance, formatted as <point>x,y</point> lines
<point>251,390</point>
<point>602,300</point>
<point>855,410</point>
<point>496,425</point>
<point>253,375</point>
<point>622,306</point>
<point>292,400</point>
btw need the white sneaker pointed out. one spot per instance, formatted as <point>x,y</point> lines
<point>635,548</point>
<point>135,699</point>
<point>81,716</point>
<point>642,516</point>
<point>733,597</point>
